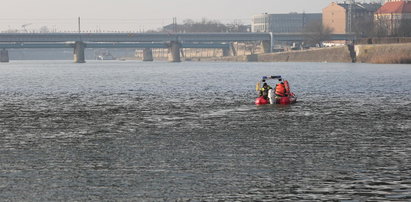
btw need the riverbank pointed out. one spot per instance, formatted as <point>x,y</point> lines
<point>384,53</point>
<point>375,53</point>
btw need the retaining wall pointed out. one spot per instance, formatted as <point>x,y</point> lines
<point>375,53</point>
<point>384,53</point>
<point>333,54</point>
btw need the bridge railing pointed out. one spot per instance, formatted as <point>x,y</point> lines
<point>160,37</point>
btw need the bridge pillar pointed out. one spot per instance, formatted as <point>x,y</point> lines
<point>266,46</point>
<point>79,47</point>
<point>148,55</point>
<point>233,50</point>
<point>174,51</point>
<point>226,52</point>
<point>4,55</point>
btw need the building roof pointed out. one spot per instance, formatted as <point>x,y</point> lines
<point>395,7</point>
<point>371,7</point>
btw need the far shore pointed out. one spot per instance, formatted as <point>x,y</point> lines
<point>368,53</point>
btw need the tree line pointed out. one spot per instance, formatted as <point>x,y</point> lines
<point>205,25</point>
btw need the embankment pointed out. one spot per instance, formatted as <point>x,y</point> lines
<point>334,54</point>
<point>375,53</point>
<point>384,53</point>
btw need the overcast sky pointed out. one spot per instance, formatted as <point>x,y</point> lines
<point>139,14</point>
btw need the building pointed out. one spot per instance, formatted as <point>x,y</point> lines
<point>337,17</point>
<point>283,23</point>
<point>394,18</point>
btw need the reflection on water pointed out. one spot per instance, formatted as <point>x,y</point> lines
<point>161,131</point>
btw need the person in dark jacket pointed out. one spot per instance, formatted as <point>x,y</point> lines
<point>264,90</point>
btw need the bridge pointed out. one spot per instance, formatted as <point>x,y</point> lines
<point>173,41</point>
<point>109,45</point>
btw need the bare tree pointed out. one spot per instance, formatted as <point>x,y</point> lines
<point>363,27</point>
<point>203,26</point>
<point>381,27</point>
<point>316,33</point>
<point>238,26</point>
<point>404,29</point>
<point>44,29</point>
<point>11,31</point>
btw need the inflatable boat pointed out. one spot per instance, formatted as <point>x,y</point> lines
<point>271,98</point>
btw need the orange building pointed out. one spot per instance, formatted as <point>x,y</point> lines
<point>336,17</point>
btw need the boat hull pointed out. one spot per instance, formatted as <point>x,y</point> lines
<point>281,100</point>
<point>261,101</point>
<point>286,100</point>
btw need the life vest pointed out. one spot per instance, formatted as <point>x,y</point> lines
<point>265,89</point>
<point>280,90</point>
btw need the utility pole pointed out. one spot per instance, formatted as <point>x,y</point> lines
<point>79,28</point>
<point>79,25</point>
<point>350,14</point>
<point>175,24</point>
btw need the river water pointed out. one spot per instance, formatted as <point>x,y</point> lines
<point>127,130</point>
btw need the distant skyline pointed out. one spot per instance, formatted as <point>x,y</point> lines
<point>138,15</point>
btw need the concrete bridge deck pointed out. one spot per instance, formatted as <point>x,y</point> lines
<point>160,37</point>
<point>172,41</point>
<point>110,45</point>
<point>133,37</point>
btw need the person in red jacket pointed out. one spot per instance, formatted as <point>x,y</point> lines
<point>280,90</point>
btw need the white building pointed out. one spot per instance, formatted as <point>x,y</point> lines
<point>284,23</point>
